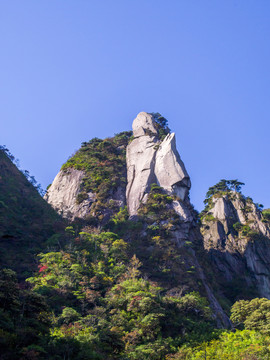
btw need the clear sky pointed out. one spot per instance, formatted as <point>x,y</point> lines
<point>73,70</point>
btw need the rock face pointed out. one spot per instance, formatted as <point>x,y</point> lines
<point>150,160</point>
<point>63,192</point>
<point>238,242</point>
<point>170,169</point>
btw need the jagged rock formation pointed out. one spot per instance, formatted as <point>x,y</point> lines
<point>151,160</point>
<point>170,170</point>
<point>238,242</point>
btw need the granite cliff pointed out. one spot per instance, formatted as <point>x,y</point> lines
<point>63,192</point>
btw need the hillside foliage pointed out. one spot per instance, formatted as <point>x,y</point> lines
<point>26,220</point>
<point>123,288</point>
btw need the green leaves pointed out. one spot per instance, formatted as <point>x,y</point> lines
<point>162,125</point>
<point>68,315</point>
<point>236,345</point>
<point>24,318</point>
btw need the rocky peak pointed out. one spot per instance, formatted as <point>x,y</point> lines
<point>239,221</point>
<point>237,239</point>
<point>93,181</point>
<point>153,159</point>
<point>144,124</point>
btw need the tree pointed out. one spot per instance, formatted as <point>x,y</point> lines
<point>223,186</point>
<point>252,315</point>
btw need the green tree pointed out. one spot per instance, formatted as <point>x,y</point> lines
<point>223,186</point>
<point>252,315</point>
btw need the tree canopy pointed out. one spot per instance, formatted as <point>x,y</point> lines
<point>224,186</point>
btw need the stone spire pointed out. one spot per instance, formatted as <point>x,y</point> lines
<point>150,160</point>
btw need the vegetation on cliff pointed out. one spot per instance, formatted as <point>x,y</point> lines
<point>104,166</point>
<point>249,340</point>
<point>161,124</point>
<point>230,190</point>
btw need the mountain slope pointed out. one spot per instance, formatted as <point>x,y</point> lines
<point>26,220</point>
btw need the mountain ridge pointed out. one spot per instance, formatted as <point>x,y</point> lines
<point>152,157</point>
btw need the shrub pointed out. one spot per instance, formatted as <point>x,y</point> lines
<point>81,197</point>
<point>266,215</point>
<point>237,226</point>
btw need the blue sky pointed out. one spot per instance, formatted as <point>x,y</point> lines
<point>73,70</point>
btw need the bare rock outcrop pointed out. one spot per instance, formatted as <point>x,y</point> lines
<point>63,192</point>
<point>150,160</point>
<point>170,170</point>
